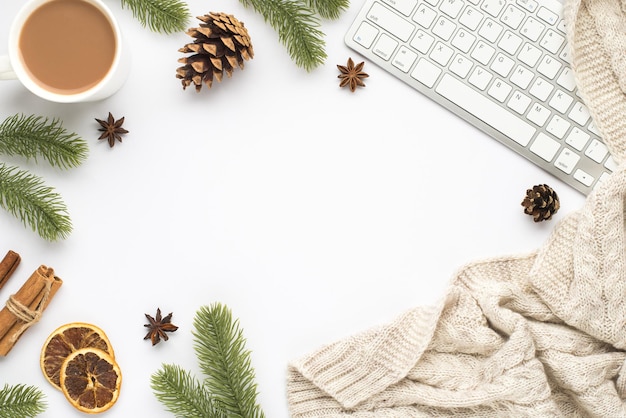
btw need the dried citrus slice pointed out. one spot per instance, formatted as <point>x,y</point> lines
<point>64,341</point>
<point>91,380</point>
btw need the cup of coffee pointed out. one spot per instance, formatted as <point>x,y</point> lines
<point>66,51</point>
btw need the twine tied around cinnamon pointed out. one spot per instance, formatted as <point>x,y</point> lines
<point>25,308</point>
<point>23,313</point>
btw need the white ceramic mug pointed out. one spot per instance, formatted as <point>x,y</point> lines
<point>12,65</point>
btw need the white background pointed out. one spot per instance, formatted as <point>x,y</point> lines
<point>312,212</point>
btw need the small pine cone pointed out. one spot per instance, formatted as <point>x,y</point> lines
<point>221,44</point>
<point>541,202</point>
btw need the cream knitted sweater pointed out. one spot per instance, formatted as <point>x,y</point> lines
<point>541,335</point>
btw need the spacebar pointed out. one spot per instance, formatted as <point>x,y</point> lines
<point>486,110</point>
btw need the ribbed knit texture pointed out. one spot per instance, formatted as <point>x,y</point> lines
<point>540,335</point>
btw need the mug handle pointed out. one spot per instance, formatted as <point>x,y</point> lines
<point>6,70</point>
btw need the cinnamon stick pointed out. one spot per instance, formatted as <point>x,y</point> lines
<point>25,307</point>
<point>8,265</point>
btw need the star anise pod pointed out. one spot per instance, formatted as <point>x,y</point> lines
<point>111,129</point>
<point>352,75</point>
<point>158,327</point>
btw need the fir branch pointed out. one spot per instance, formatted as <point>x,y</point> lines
<point>166,16</point>
<point>25,196</point>
<point>21,401</point>
<point>297,27</point>
<point>328,9</point>
<point>33,136</point>
<point>183,395</point>
<point>220,347</point>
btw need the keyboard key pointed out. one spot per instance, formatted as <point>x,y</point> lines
<point>580,114</point>
<point>547,16</point>
<point>390,21</point>
<point>490,30</point>
<point>463,40</point>
<point>577,139</point>
<point>422,41</point>
<point>512,17</point>
<point>483,53</point>
<point>584,177</point>
<point>522,77</point>
<point>502,65</point>
<point>452,7</point>
<point>532,29</point>
<point>596,151</point>
<point>566,79</point>
<point>610,163</point>
<point>558,126</point>
<point>538,114</point>
<point>471,18</point>
<point>567,160</point>
<point>541,89</point>
<point>426,72</point>
<point>366,34</point>
<point>519,102</point>
<point>424,16</point>
<point>549,67</point>
<point>510,42</point>
<point>444,28</point>
<point>484,109</point>
<point>403,6</point>
<point>493,7</point>
<point>441,54</point>
<point>552,41</point>
<point>530,5</point>
<point>529,55</point>
<point>461,65</point>
<point>545,147</point>
<point>480,78</point>
<point>566,55</point>
<point>561,101</point>
<point>385,46</point>
<point>499,90</point>
<point>404,59</point>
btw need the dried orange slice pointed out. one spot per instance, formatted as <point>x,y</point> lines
<point>64,341</point>
<point>91,380</point>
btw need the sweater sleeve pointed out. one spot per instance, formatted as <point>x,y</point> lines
<point>341,375</point>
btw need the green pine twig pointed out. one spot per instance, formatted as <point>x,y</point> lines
<point>220,347</point>
<point>26,197</point>
<point>298,30</point>
<point>32,136</point>
<point>183,395</point>
<point>165,16</point>
<point>229,388</point>
<point>329,9</point>
<point>21,401</point>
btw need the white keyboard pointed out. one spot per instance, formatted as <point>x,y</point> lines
<point>502,65</point>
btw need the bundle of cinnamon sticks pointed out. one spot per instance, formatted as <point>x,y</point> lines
<point>24,308</point>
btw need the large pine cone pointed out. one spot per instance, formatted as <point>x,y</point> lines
<point>541,202</point>
<point>221,44</point>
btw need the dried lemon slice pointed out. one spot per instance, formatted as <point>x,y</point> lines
<point>91,380</point>
<point>64,341</point>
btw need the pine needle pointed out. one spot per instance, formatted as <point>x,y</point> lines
<point>33,136</point>
<point>182,395</point>
<point>21,401</point>
<point>220,347</point>
<point>26,197</point>
<point>297,26</point>
<point>165,16</point>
